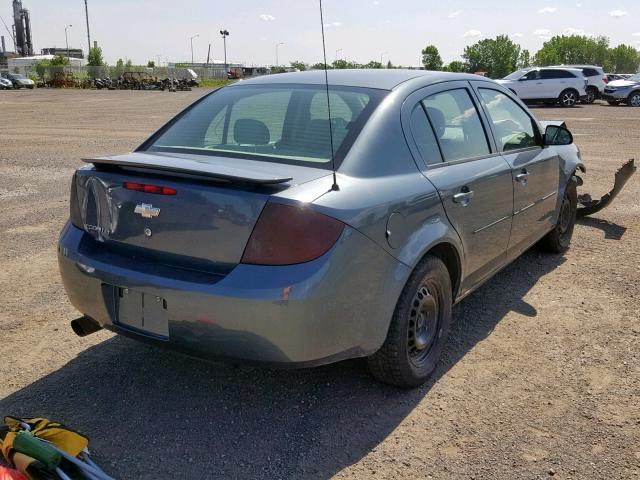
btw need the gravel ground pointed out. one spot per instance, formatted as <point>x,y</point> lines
<point>541,376</point>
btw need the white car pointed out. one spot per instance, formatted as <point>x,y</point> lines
<point>566,86</point>
<point>596,80</point>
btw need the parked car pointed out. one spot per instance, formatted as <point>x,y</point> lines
<point>20,81</point>
<point>228,234</point>
<point>596,80</point>
<point>617,76</point>
<point>550,85</point>
<point>624,91</point>
<point>5,84</point>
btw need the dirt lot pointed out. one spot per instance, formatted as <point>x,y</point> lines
<point>541,375</point>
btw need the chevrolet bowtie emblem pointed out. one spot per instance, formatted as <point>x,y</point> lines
<point>147,210</point>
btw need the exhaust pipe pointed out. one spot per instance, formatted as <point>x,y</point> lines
<point>84,326</point>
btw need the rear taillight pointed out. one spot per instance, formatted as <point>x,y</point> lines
<point>146,188</point>
<point>286,235</point>
<point>74,206</point>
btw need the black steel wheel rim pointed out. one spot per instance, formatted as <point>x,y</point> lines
<point>423,323</point>
<point>565,216</point>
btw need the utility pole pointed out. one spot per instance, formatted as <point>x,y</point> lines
<point>191,40</point>
<point>225,34</point>
<point>66,38</point>
<point>278,45</point>
<point>381,55</point>
<point>86,13</point>
<point>208,54</point>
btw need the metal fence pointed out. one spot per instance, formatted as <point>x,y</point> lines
<point>44,73</point>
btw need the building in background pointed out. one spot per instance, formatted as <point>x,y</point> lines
<point>72,53</point>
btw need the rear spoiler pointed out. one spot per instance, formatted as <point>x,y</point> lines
<point>189,168</point>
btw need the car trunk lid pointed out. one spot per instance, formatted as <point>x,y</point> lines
<point>204,226</point>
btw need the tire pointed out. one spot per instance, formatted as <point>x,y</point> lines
<point>634,99</point>
<point>592,95</point>
<point>419,327</point>
<point>568,98</point>
<point>559,239</point>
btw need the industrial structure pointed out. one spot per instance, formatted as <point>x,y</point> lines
<point>22,30</point>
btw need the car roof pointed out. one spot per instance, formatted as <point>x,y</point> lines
<point>571,69</point>
<point>384,79</point>
<point>579,66</point>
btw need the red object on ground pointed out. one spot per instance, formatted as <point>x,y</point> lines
<point>11,474</point>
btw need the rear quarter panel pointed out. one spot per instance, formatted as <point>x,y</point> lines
<point>384,195</point>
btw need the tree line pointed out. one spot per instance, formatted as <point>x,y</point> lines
<point>500,56</point>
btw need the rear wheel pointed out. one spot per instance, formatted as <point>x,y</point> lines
<point>419,327</point>
<point>559,239</point>
<point>634,99</point>
<point>568,98</point>
<point>592,94</point>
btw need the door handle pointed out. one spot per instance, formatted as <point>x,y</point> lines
<point>522,177</point>
<point>464,197</point>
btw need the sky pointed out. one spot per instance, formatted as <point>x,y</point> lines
<point>359,30</point>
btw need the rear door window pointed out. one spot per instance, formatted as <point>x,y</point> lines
<point>457,125</point>
<point>555,74</point>
<point>424,137</point>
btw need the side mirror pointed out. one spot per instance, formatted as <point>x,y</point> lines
<point>556,135</point>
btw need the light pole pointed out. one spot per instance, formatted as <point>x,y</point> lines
<point>225,34</point>
<point>86,13</point>
<point>277,46</point>
<point>381,55</point>
<point>66,38</point>
<point>338,51</point>
<point>191,40</point>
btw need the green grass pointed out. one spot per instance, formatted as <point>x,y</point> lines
<point>214,83</point>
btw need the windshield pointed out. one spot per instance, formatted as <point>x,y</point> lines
<point>16,76</point>
<point>516,75</point>
<point>278,123</point>
<point>634,78</point>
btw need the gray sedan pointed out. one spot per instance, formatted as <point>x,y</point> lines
<point>228,234</point>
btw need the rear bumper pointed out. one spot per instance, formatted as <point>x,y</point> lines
<point>335,307</point>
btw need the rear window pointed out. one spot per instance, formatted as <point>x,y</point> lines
<point>280,123</point>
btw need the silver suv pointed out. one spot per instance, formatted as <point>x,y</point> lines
<point>596,80</point>
<point>624,91</point>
